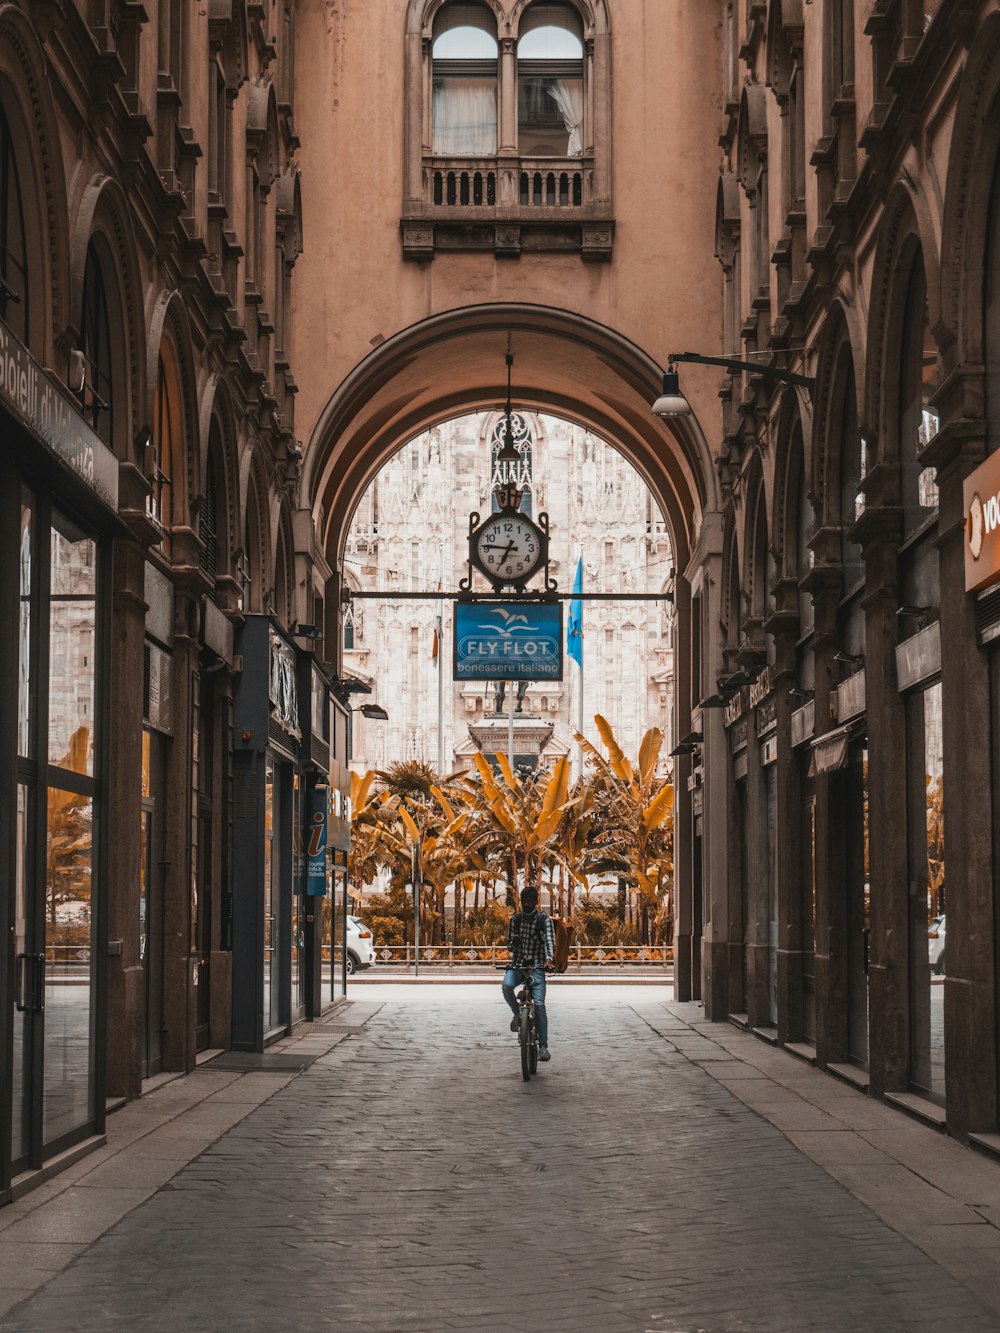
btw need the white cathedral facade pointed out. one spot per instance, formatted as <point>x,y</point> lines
<point>410,534</point>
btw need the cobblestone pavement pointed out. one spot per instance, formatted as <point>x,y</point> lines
<point>409,1180</point>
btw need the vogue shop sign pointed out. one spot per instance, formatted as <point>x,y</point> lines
<point>982,525</point>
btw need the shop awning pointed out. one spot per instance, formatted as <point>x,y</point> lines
<point>829,752</point>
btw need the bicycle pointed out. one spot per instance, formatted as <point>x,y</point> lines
<point>527,1026</point>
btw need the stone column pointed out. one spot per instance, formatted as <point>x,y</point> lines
<point>878,530</point>
<point>758,888</point>
<point>705,567</point>
<point>788,804</point>
<point>687,966</point>
<point>824,585</point>
<point>125,992</point>
<point>178,991</point>
<point>221,962</point>
<point>416,138</point>
<point>508,98</point>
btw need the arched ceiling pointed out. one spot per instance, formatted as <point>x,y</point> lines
<point>454,363</point>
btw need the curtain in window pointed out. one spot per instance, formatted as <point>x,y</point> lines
<point>465,117</point>
<point>568,97</point>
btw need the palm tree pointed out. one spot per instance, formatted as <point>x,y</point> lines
<point>634,839</point>
<point>524,815</point>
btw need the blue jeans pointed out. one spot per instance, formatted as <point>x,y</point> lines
<point>536,980</point>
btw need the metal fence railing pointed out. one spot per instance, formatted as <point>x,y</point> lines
<point>487,955</point>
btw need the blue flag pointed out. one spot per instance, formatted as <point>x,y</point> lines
<point>574,625</point>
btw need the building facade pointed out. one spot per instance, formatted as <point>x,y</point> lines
<point>593,498</point>
<point>856,229</point>
<point>151,220</point>
<point>810,187</point>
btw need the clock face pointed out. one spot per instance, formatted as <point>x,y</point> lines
<point>508,548</point>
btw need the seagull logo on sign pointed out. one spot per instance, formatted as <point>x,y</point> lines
<point>512,622</point>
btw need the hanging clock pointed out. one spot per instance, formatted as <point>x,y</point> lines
<point>508,548</point>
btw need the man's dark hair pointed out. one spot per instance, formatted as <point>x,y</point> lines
<point>529,898</point>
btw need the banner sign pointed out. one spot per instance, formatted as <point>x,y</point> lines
<point>316,807</point>
<point>511,640</point>
<point>982,525</point>
<point>54,417</point>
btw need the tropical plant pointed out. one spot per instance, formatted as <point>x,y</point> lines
<point>634,835</point>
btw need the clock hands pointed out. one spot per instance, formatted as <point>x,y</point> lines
<point>490,546</point>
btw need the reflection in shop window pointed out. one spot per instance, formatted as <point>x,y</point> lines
<point>934,784</point>
<point>72,631</point>
<point>24,629</point>
<point>68,963</point>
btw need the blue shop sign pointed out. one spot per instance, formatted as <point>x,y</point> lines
<point>508,641</point>
<point>316,808</point>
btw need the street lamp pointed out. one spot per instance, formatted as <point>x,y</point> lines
<point>672,403</point>
<point>375,711</point>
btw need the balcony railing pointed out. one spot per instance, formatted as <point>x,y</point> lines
<point>508,204</point>
<point>518,183</point>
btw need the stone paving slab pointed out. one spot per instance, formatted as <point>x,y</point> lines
<point>410,1180</point>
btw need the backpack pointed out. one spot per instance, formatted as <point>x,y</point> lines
<point>564,936</point>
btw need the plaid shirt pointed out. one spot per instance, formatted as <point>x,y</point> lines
<point>529,946</point>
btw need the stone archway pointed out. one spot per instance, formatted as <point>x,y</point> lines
<point>454,363</point>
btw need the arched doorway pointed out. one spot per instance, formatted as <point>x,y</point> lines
<point>587,374</point>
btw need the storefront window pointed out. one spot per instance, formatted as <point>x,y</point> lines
<point>20,1102</point>
<point>927,887</point>
<point>808,907</point>
<point>24,628</point>
<point>72,644</point>
<point>69,1047</point>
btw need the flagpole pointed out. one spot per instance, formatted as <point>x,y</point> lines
<point>575,650</point>
<point>510,724</point>
<point>440,668</point>
<point>580,725</point>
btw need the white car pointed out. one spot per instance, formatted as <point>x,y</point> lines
<point>935,945</point>
<point>360,946</point>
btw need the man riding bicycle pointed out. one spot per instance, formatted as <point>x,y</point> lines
<point>531,939</point>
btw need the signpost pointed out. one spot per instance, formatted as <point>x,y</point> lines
<point>511,640</point>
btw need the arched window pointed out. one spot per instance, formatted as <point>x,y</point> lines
<point>13,247</point>
<point>95,343</point>
<point>510,122</point>
<point>851,473</point>
<point>349,629</point>
<point>918,422</point>
<point>464,109</point>
<point>550,82</point>
<point>804,521</point>
<point>168,440</point>
<point>211,511</point>
<point>283,597</point>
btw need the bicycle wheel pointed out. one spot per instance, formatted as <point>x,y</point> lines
<point>524,1041</point>
<point>533,1048</point>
